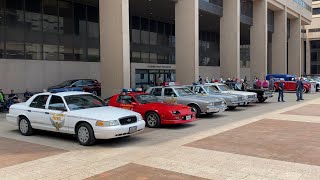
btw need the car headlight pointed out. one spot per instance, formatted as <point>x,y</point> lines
<point>107,123</point>
<point>210,104</point>
<point>176,112</point>
<point>140,118</point>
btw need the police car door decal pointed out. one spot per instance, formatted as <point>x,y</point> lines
<point>57,120</point>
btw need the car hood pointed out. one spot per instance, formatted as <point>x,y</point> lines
<point>240,93</point>
<point>224,96</point>
<point>103,113</point>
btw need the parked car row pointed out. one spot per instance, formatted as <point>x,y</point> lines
<point>89,118</point>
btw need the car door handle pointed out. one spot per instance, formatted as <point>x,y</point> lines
<point>46,112</point>
<point>29,110</point>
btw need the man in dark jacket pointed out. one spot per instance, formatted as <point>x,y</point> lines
<point>281,89</point>
<point>299,89</point>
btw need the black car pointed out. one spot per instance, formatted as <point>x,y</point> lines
<point>87,85</point>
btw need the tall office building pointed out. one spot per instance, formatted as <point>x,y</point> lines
<point>132,43</point>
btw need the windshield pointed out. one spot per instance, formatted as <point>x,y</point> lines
<point>66,83</point>
<point>211,89</point>
<point>183,91</point>
<point>83,101</point>
<point>147,98</point>
<point>224,88</point>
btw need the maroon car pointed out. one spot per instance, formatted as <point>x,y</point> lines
<point>87,85</point>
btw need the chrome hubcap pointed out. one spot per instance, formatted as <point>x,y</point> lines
<point>24,126</point>
<point>152,120</point>
<point>83,134</point>
<point>194,110</point>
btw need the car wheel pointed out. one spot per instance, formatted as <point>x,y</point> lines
<point>25,127</point>
<point>232,107</point>
<point>195,109</point>
<point>85,134</point>
<point>261,100</point>
<point>304,90</point>
<point>95,93</point>
<point>153,120</point>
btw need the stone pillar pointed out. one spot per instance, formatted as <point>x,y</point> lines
<point>279,43</point>
<point>230,39</point>
<point>308,57</point>
<point>259,40</point>
<point>187,40</point>
<point>294,47</point>
<point>114,46</point>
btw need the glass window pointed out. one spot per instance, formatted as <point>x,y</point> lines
<point>156,91</point>
<point>153,32</point>
<point>33,15</point>
<point>15,50</point>
<point>56,103</point>
<point>125,100</point>
<point>33,51</point>
<point>80,28</point>
<point>93,55</point>
<point>50,52</point>
<point>39,102</point>
<point>135,32</point>
<point>153,58</point>
<point>144,57</point>
<point>145,31</point>
<point>135,56</point>
<point>66,53</point>
<point>84,101</point>
<point>50,16</point>
<point>169,92</point>
<point>65,17</point>
<point>93,22</point>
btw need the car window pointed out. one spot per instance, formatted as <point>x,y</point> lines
<point>224,88</point>
<point>169,92</point>
<point>83,101</point>
<point>56,103</point>
<point>184,91</point>
<point>198,89</point>
<point>147,98</point>
<point>39,102</point>
<point>87,82</point>
<point>78,83</point>
<point>156,91</point>
<point>123,99</point>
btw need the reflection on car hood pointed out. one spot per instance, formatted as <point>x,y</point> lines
<point>168,106</point>
<point>103,113</point>
<point>240,92</point>
<point>204,98</point>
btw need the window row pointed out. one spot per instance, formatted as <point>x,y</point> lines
<point>49,29</point>
<point>145,57</point>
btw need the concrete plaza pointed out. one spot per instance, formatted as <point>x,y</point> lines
<point>261,141</point>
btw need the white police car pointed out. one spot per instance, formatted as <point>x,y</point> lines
<point>79,113</point>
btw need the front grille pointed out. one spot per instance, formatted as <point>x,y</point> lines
<point>251,96</point>
<point>217,103</point>
<point>128,120</point>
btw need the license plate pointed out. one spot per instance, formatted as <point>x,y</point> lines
<point>188,117</point>
<point>132,129</point>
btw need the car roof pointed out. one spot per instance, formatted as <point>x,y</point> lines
<point>67,93</point>
<point>214,84</point>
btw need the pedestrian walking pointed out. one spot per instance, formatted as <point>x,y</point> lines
<point>301,87</point>
<point>281,89</point>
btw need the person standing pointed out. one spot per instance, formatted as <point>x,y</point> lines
<point>200,80</point>
<point>271,84</point>
<point>159,81</point>
<point>281,89</point>
<point>1,97</point>
<point>298,89</point>
<point>301,89</point>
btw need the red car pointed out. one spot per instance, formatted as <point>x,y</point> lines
<point>291,86</point>
<point>154,111</point>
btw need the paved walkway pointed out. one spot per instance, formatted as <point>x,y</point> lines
<point>264,141</point>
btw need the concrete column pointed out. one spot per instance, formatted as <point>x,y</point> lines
<point>302,57</point>
<point>294,47</point>
<point>114,46</point>
<point>187,40</point>
<point>230,39</point>
<point>259,40</point>
<point>308,57</point>
<point>279,42</point>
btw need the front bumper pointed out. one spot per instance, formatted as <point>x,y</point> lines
<point>117,131</point>
<point>235,103</point>
<point>12,119</point>
<point>216,109</point>
<point>250,100</point>
<point>179,121</point>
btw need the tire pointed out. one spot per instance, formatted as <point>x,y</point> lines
<point>261,100</point>
<point>232,107</point>
<point>196,109</point>
<point>95,93</point>
<point>210,114</point>
<point>153,120</point>
<point>25,127</point>
<point>85,134</point>
<point>304,90</point>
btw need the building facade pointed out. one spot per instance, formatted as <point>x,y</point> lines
<point>312,42</point>
<point>132,43</point>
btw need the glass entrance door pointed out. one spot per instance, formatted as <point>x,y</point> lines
<point>147,78</point>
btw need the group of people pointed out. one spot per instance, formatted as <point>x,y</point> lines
<point>13,98</point>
